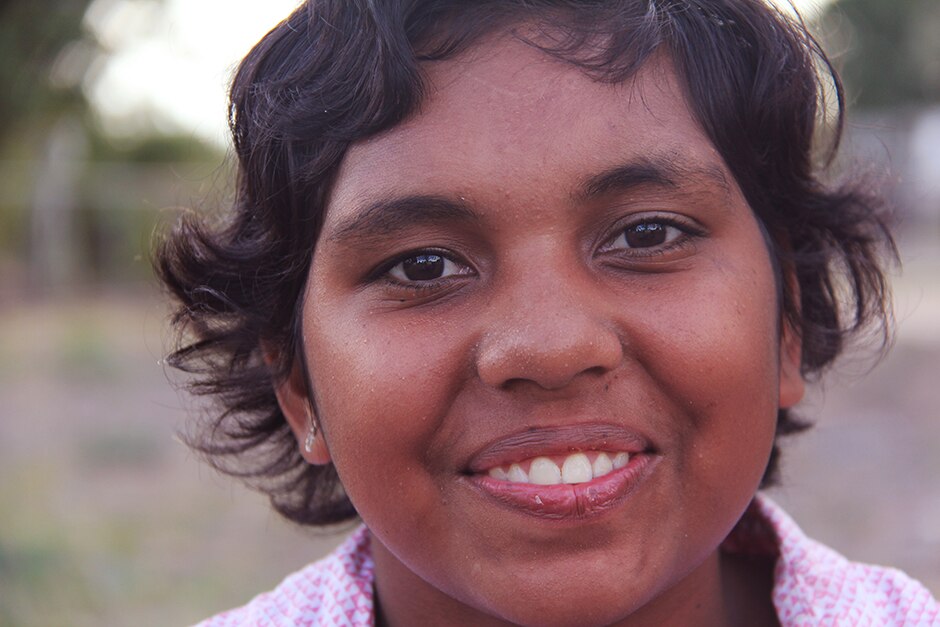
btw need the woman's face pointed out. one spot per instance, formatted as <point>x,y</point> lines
<point>541,325</point>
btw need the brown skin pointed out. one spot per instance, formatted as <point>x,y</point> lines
<point>546,317</point>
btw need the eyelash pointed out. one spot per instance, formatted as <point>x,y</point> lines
<point>687,232</point>
<point>384,272</point>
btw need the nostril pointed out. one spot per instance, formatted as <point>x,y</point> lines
<point>598,371</point>
<point>547,382</point>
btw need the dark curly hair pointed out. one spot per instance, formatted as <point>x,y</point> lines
<point>339,71</point>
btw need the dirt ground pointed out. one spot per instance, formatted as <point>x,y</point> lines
<point>107,520</point>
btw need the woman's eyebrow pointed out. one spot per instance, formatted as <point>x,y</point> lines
<point>387,216</point>
<point>669,172</point>
<point>390,215</point>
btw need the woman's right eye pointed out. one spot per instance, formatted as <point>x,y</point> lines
<point>426,266</point>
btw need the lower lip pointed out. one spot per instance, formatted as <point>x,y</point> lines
<point>569,501</point>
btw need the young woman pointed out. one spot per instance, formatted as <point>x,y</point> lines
<point>531,288</point>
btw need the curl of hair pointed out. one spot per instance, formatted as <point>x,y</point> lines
<point>339,71</point>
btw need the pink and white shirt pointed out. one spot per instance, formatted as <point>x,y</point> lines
<point>813,585</point>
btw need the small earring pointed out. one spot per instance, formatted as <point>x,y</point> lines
<point>311,438</point>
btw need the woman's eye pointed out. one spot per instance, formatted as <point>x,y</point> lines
<point>650,234</point>
<point>425,267</point>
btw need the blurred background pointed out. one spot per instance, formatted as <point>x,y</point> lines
<point>112,118</point>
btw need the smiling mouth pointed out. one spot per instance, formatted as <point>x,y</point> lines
<point>576,468</point>
<point>573,472</point>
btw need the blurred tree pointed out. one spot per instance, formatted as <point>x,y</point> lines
<point>151,149</point>
<point>44,53</point>
<point>76,203</point>
<point>891,49</point>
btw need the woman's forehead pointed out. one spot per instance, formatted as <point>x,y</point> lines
<point>507,118</point>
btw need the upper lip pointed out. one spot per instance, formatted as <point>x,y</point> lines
<point>562,440</point>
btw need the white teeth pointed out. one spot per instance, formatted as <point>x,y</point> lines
<point>621,460</point>
<point>517,474</point>
<point>499,473</point>
<point>577,469</point>
<point>544,471</point>
<point>602,465</point>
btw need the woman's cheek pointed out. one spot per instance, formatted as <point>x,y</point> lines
<point>380,383</point>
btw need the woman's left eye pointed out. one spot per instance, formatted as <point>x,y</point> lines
<point>425,266</point>
<point>648,234</point>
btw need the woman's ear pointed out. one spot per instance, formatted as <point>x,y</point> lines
<point>297,407</point>
<point>792,384</point>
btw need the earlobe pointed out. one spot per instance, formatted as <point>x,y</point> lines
<point>792,384</point>
<point>297,407</point>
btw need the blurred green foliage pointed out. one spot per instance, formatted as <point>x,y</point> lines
<point>122,187</point>
<point>888,50</point>
<point>152,149</point>
<point>106,191</point>
<point>33,35</point>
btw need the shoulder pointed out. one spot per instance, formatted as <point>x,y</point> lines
<point>815,585</point>
<point>336,590</point>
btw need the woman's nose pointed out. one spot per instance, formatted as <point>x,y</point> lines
<point>548,335</point>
